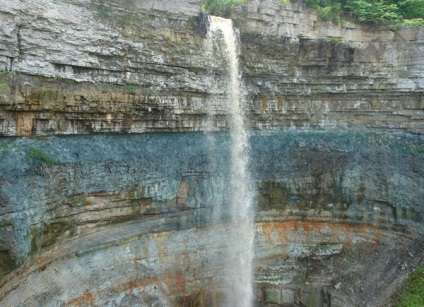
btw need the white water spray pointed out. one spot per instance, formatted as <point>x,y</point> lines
<point>239,252</point>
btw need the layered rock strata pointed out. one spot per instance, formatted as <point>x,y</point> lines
<point>102,217</point>
<point>123,220</point>
<point>141,66</point>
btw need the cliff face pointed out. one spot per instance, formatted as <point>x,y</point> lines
<point>77,67</point>
<point>125,219</point>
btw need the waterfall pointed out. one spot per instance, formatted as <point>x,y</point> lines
<point>237,263</point>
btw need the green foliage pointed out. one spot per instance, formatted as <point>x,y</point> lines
<point>9,79</point>
<point>395,13</point>
<point>328,9</point>
<point>38,157</point>
<point>107,86</point>
<point>220,7</point>
<point>104,10</point>
<point>374,11</point>
<point>5,78</point>
<point>3,86</point>
<point>335,40</point>
<point>130,88</point>
<point>112,87</point>
<point>223,7</point>
<point>414,22</point>
<point>44,95</point>
<point>413,294</point>
<point>411,9</point>
<point>192,22</point>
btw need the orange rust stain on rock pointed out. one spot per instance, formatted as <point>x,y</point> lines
<point>175,283</point>
<point>136,284</point>
<point>266,229</point>
<point>181,286</point>
<point>282,231</point>
<point>25,123</point>
<point>181,282</point>
<point>342,233</point>
<point>161,239</point>
<point>83,300</point>
<point>132,285</point>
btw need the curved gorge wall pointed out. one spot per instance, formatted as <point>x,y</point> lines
<point>111,203</point>
<point>127,218</point>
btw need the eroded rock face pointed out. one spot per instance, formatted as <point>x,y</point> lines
<point>127,219</point>
<point>141,66</point>
<point>107,219</point>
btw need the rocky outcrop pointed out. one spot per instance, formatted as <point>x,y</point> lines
<point>141,66</point>
<point>106,207</point>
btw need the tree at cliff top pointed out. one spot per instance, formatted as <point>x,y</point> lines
<point>220,7</point>
<point>395,13</point>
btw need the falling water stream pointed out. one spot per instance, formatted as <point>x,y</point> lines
<point>239,250</point>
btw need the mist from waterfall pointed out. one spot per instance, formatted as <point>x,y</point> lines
<point>237,260</point>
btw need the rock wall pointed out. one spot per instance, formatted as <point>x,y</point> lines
<point>324,76</point>
<point>137,66</point>
<point>126,219</point>
<point>111,203</point>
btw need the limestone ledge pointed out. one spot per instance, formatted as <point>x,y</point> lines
<point>143,67</point>
<point>34,106</point>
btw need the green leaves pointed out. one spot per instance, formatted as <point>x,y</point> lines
<point>413,294</point>
<point>220,7</point>
<point>415,22</point>
<point>328,9</point>
<point>331,12</point>
<point>394,13</point>
<point>411,9</point>
<point>38,157</point>
<point>374,11</point>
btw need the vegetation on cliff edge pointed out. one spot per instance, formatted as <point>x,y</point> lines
<point>220,7</point>
<point>413,294</point>
<point>395,13</point>
<point>223,7</point>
